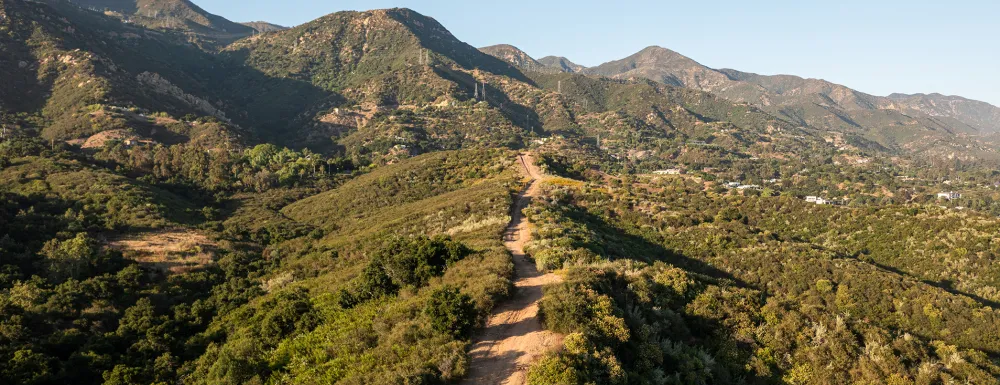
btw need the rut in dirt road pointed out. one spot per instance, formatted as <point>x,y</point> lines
<point>514,338</point>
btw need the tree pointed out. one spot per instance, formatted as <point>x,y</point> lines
<point>27,367</point>
<point>69,259</point>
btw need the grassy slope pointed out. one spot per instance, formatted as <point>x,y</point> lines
<point>464,194</point>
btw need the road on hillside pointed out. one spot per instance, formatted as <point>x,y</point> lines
<point>514,338</point>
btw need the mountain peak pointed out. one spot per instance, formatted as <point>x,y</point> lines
<point>264,27</point>
<point>173,15</point>
<point>561,63</point>
<point>656,48</point>
<point>512,55</point>
<point>662,65</point>
<point>655,52</point>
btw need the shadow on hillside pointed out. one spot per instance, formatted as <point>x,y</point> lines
<point>279,108</point>
<point>616,243</point>
<point>521,115</point>
<point>696,332</point>
<point>23,88</point>
<point>943,285</point>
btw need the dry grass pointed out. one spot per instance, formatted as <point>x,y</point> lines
<point>97,140</point>
<point>562,182</point>
<point>173,250</point>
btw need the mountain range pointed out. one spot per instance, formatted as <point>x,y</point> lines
<point>356,63</point>
<point>812,103</point>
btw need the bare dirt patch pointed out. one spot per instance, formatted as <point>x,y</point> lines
<point>172,251</point>
<point>97,140</point>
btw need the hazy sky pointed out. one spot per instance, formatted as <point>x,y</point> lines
<point>876,46</point>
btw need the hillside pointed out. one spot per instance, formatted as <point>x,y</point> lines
<point>378,63</point>
<point>983,116</point>
<point>813,103</point>
<point>561,63</point>
<point>518,58</point>
<point>264,27</point>
<point>73,87</point>
<point>368,49</point>
<point>180,16</point>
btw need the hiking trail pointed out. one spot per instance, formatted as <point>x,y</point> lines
<point>514,338</point>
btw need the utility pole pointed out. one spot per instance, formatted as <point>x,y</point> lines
<point>559,87</point>
<point>476,95</point>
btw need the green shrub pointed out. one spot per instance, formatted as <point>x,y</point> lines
<point>451,312</point>
<point>415,261</point>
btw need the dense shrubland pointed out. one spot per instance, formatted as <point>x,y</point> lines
<point>75,310</point>
<point>796,292</point>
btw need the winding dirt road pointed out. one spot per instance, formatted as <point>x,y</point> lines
<point>514,338</point>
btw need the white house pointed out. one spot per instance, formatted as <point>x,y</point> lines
<point>812,199</point>
<point>669,171</point>
<point>951,195</point>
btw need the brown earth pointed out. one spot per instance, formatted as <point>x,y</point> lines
<point>514,338</point>
<point>173,251</point>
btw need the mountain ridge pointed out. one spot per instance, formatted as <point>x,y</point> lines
<point>264,27</point>
<point>781,92</point>
<point>562,63</point>
<point>182,16</point>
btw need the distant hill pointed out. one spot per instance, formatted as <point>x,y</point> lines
<point>264,27</point>
<point>898,122</point>
<point>982,115</point>
<point>385,59</point>
<point>172,15</point>
<point>520,59</point>
<point>335,83</point>
<point>561,63</point>
<point>85,73</point>
<point>666,66</point>
<point>515,56</point>
<point>314,52</point>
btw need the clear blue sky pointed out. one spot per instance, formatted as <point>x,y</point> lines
<point>876,46</point>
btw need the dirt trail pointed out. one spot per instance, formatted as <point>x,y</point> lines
<point>514,338</point>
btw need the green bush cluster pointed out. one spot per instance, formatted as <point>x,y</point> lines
<point>452,312</point>
<point>403,262</point>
